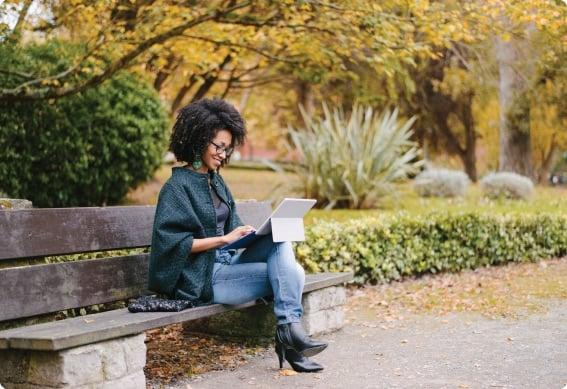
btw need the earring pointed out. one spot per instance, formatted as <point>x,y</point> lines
<point>197,163</point>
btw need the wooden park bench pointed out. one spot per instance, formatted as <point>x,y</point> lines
<point>103,349</point>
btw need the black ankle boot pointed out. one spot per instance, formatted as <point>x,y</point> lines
<point>292,336</point>
<point>297,361</point>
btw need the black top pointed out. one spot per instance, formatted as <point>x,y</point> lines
<point>222,212</point>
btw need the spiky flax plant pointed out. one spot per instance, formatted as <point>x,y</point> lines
<point>350,162</point>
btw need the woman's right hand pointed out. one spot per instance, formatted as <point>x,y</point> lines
<point>237,233</point>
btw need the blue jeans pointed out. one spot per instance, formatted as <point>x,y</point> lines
<point>263,269</point>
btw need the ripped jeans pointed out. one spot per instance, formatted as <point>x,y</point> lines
<point>263,269</point>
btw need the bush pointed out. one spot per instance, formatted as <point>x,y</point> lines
<point>441,183</point>
<point>508,185</point>
<point>379,250</point>
<point>81,150</point>
<point>350,163</point>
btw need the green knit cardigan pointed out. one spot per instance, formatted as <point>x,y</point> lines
<point>185,211</point>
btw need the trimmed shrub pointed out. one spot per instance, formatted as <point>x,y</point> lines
<point>381,250</point>
<point>508,185</point>
<point>81,150</point>
<point>352,162</point>
<point>441,183</point>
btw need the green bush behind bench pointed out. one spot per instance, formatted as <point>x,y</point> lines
<point>384,249</point>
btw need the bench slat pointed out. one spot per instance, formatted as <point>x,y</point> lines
<point>108,325</point>
<point>56,231</point>
<point>40,232</point>
<point>33,290</point>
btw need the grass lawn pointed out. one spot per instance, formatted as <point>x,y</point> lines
<point>271,186</point>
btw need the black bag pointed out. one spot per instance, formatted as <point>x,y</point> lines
<point>156,304</point>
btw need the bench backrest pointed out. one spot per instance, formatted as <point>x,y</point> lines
<point>32,290</point>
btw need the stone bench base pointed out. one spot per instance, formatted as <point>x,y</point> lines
<point>323,312</point>
<point>117,363</point>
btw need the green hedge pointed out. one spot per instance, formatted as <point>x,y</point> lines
<point>380,250</point>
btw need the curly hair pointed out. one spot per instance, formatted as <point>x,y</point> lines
<point>198,123</point>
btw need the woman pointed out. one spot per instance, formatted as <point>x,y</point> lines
<point>196,217</point>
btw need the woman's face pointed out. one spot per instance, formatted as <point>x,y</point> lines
<point>215,151</point>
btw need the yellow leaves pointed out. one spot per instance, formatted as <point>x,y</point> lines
<point>376,7</point>
<point>506,37</point>
<point>50,82</point>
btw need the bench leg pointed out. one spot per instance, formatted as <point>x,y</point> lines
<point>116,363</point>
<point>323,310</point>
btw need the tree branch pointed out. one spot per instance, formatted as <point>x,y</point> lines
<point>245,84</point>
<point>21,18</point>
<point>229,84</point>
<point>182,92</point>
<point>293,27</point>
<point>250,48</point>
<point>28,76</point>
<point>22,92</point>
<point>210,79</point>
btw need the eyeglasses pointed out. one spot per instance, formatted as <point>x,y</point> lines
<point>220,149</point>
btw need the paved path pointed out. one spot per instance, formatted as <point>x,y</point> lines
<point>455,351</point>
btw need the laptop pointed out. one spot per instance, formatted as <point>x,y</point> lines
<point>285,224</point>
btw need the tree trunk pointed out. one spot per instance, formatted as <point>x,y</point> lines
<point>515,144</point>
<point>548,163</point>
<point>469,152</point>
<point>305,98</point>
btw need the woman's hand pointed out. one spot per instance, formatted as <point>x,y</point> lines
<point>203,244</point>
<point>237,233</point>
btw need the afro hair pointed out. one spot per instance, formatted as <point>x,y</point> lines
<point>198,123</point>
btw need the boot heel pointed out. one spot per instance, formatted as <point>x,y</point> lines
<point>280,350</point>
<point>300,363</point>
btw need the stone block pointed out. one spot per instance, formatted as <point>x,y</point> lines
<point>323,299</point>
<point>326,320</point>
<point>113,360</point>
<point>134,352</point>
<point>72,367</point>
<point>116,363</point>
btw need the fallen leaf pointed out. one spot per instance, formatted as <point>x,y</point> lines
<point>287,372</point>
